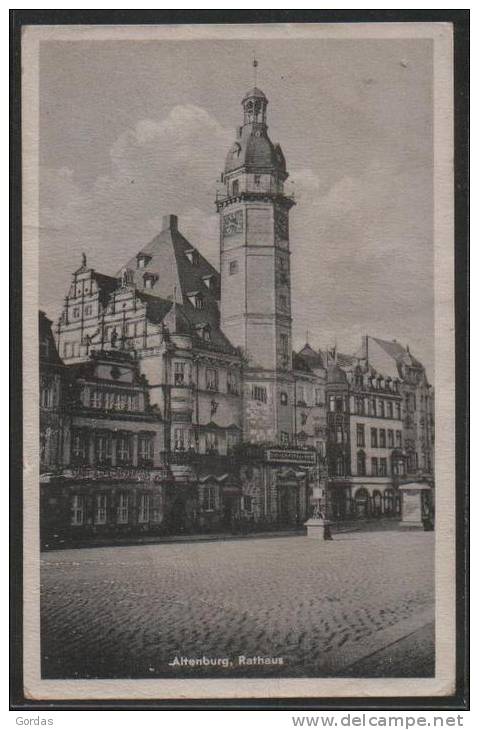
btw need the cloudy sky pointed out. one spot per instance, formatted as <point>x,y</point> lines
<point>130,131</point>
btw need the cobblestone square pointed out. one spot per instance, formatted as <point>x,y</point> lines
<point>320,607</point>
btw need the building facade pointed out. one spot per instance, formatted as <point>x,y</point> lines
<point>181,404</point>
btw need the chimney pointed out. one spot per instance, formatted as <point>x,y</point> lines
<point>170,222</point>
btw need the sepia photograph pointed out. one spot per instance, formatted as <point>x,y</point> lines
<point>238,307</point>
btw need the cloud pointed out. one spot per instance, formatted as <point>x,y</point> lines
<point>360,251</point>
<point>156,168</point>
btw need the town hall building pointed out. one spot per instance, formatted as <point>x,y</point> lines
<point>178,394</point>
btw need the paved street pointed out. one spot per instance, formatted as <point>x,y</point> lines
<point>324,608</point>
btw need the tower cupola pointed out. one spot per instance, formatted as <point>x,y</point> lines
<point>254,105</point>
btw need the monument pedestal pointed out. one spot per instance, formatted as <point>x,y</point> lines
<point>412,504</point>
<point>315,527</point>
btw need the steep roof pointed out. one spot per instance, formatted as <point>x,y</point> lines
<point>313,358</point>
<point>48,349</point>
<point>176,266</point>
<point>395,350</point>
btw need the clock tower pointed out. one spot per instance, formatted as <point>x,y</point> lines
<point>255,272</point>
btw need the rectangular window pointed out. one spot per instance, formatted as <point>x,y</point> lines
<point>122,509</point>
<point>398,439</point>
<point>209,498</point>
<point>389,409</point>
<point>233,268</point>
<point>179,438</point>
<point>398,410</point>
<point>100,509</point>
<point>212,442</point>
<point>390,439</point>
<point>382,438</point>
<point>383,467</point>
<point>78,509</point>
<point>374,438</point>
<point>381,408</point>
<point>374,466</point>
<point>46,399</point>
<point>145,450</point>
<point>283,398</point>
<point>283,302</point>
<point>318,397</point>
<point>300,394</point>
<point>179,373</point>
<point>211,379</point>
<point>360,434</point>
<point>96,399</point>
<point>284,438</point>
<point>123,448</point>
<point>260,393</point>
<point>232,382</point>
<point>79,447</point>
<point>88,310</point>
<point>144,509</point>
<point>247,503</point>
<point>103,449</point>
<point>283,344</point>
<point>373,407</point>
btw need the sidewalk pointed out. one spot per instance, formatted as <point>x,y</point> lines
<point>366,525</point>
<point>411,656</point>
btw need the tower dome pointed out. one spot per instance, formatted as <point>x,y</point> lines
<point>253,149</point>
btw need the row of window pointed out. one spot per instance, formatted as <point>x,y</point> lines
<point>367,406</point>
<point>182,440</point>
<point>260,393</point>
<point>114,400</point>
<point>122,507</point>
<point>379,466</point>
<point>109,448</point>
<point>393,440</point>
<point>181,376</point>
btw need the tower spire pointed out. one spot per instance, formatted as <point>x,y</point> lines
<point>255,67</point>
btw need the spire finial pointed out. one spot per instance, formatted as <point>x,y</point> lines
<point>255,66</point>
<point>83,259</point>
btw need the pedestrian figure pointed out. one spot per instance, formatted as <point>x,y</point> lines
<point>327,532</point>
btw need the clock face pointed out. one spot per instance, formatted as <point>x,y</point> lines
<point>281,227</point>
<point>233,223</point>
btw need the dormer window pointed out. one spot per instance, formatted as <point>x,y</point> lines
<point>192,256</point>
<point>149,280</point>
<point>208,281</point>
<point>142,260</point>
<point>199,301</point>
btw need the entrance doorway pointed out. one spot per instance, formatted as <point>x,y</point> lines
<point>361,499</point>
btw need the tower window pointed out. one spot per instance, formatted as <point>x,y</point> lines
<point>233,268</point>
<point>260,393</point>
<point>284,399</point>
<point>235,187</point>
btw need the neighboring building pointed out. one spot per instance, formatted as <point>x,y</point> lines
<point>380,428</point>
<point>51,380</point>
<point>238,422</point>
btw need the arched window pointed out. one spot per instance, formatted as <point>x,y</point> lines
<point>340,466</point>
